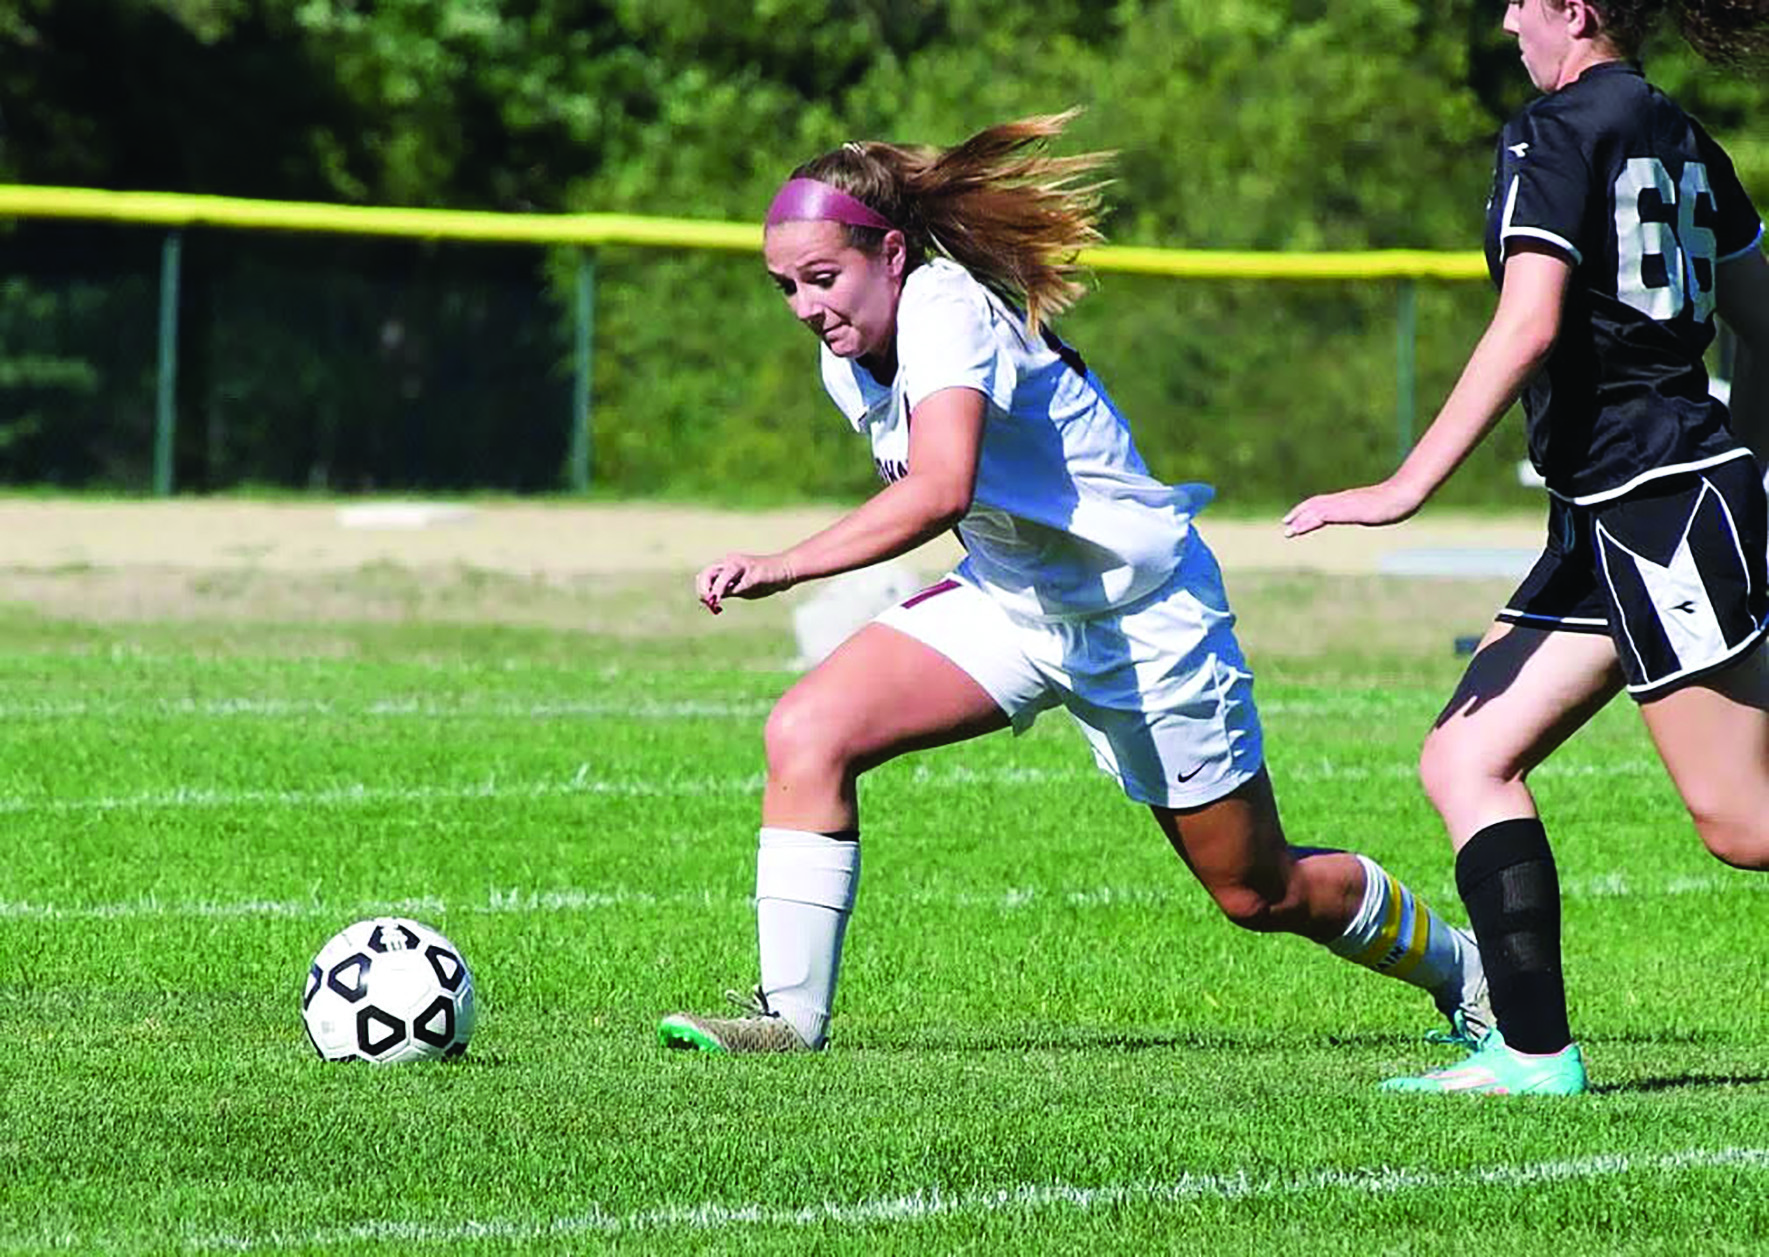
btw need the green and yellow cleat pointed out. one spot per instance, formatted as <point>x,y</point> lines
<point>760,1029</point>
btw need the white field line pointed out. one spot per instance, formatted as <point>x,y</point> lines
<point>584,783</point>
<point>937,1202</point>
<point>390,708</point>
<point>533,901</point>
<point>480,706</point>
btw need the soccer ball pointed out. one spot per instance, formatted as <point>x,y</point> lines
<point>388,990</point>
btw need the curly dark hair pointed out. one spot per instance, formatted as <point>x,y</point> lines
<point>1727,32</point>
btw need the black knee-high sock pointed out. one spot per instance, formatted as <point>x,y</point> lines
<point>1507,880</point>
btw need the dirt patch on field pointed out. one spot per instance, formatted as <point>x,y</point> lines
<point>624,569</point>
<point>566,541</point>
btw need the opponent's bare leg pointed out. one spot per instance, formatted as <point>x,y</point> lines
<point>1713,737</point>
<point>881,693</point>
<point>1524,693</point>
<point>1235,847</point>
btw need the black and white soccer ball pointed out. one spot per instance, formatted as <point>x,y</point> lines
<point>385,990</point>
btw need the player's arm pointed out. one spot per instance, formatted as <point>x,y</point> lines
<point>945,444</point>
<point>1741,290</point>
<point>1513,348</point>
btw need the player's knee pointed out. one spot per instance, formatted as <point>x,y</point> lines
<point>803,738</point>
<point>1251,909</point>
<point>1439,773</point>
<point>1739,840</point>
<point>1452,774</point>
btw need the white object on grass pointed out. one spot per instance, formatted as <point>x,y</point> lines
<point>402,515</point>
<point>844,604</point>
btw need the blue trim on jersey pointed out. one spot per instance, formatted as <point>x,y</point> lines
<point>1756,242</point>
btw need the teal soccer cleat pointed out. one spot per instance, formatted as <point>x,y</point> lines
<point>1495,1069</point>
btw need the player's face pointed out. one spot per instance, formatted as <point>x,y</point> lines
<point>845,295</point>
<point>1543,39</point>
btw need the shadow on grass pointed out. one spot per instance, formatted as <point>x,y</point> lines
<point>1679,1082</point>
<point>1039,1039</point>
<point>1659,1038</point>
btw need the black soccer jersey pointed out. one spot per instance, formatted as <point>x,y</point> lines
<point>1611,173</point>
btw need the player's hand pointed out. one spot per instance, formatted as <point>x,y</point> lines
<point>1370,505</point>
<point>742,576</point>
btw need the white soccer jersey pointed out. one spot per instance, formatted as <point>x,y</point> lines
<point>1065,520</point>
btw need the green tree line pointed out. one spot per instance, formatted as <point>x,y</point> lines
<point>1323,124</point>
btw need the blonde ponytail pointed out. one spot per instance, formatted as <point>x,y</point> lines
<point>997,204</point>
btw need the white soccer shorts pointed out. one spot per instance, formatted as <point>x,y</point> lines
<point>1159,687</point>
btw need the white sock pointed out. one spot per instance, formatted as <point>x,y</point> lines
<point>1396,934</point>
<point>805,886</point>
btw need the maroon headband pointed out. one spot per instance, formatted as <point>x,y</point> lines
<point>812,200</point>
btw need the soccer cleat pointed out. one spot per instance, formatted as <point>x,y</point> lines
<point>1460,1034</point>
<point>1495,1069</point>
<point>1471,1016</point>
<point>760,1029</point>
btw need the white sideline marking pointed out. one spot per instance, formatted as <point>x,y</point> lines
<point>520,901</point>
<point>939,1202</point>
<point>583,783</point>
<point>579,783</point>
<point>426,708</point>
<point>469,705</point>
<point>358,793</point>
<point>483,707</point>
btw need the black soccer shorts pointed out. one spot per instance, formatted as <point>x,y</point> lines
<point>1673,572</point>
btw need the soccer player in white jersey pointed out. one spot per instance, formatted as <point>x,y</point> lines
<point>929,277</point>
<point>1615,231</point>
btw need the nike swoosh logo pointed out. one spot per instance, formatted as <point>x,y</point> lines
<point>1182,778</point>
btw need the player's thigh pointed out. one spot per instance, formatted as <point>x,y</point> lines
<point>1542,669</point>
<point>1525,691</point>
<point>1235,842</point>
<point>944,665</point>
<point>1713,737</point>
<point>879,694</point>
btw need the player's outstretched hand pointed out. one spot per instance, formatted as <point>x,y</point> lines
<point>1370,505</point>
<point>741,576</point>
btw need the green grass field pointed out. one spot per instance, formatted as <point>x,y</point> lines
<point>1045,1040</point>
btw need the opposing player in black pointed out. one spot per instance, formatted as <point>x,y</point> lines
<point>1616,230</point>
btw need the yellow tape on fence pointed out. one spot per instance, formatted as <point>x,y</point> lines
<point>1214,264</point>
<point>169,209</point>
<point>175,210</point>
